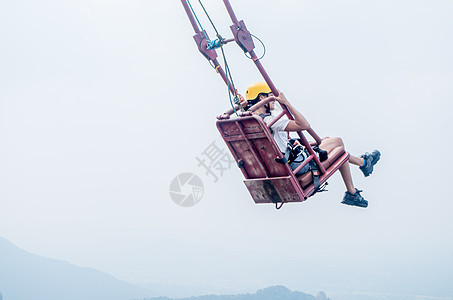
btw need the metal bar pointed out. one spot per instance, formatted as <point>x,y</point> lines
<point>226,41</point>
<point>306,143</point>
<point>314,135</point>
<point>236,107</point>
<point>230,11</point>
<point>251,136</point>
<point>310,190</point>
<point>311,151</point>
<point>300,191</point>
<point>263,73</point>
<point>209,54</point>
<point>275,92</point>
<point>261,103</point>
<point>191,17</point>
<point>310,130</point>
<point>219,70</point>
<point>303,164</point>
<point>269,125</point>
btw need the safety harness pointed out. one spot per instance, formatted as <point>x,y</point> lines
<point>295,154</point>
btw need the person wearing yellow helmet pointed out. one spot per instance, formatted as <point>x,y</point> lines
<point>260,91</point>
<point>254,91</point>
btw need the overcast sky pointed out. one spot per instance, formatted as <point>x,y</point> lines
<point>103,103</point>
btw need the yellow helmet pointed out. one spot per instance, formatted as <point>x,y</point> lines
<point>255,89</point>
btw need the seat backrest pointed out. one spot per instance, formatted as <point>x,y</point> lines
<point>253,147</point>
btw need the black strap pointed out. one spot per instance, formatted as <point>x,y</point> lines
<point>289,149</point>
<point>285,158</point>
<point>313,168</point>
<point>322,154</point>
<point>314,174</point>
<point>278,207</point>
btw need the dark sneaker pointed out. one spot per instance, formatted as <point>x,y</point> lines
<point>354,199</point>
<point>370,161</point>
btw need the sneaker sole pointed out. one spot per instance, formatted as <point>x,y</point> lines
<point>354,204</point>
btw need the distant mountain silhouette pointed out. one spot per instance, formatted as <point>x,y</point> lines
<point>25,276</point>
<point>271,293</point>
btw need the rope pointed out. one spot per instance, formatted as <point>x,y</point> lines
<point>198,21</point>
<point>264,48</point>
<point>229,77</point>
<point>209,18</point>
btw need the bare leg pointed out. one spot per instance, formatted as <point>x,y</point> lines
<point>358,161</point>
<point>345,172</point>
<point>330,143</point>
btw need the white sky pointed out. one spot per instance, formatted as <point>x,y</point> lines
<point>103,103</point>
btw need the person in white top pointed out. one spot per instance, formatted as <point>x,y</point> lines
<point>261,91</point>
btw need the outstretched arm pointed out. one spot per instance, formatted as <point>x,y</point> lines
<point>299,123</point>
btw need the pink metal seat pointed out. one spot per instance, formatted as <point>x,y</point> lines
<point>335,156</point>
<point>254,150</point>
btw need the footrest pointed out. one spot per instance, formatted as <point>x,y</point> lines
<point>274,190</point>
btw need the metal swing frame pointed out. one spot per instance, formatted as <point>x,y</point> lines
<point>249,139</point>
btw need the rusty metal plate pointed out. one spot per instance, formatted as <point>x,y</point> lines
<point>274,190</point>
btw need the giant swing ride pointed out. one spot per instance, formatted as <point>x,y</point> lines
<point>248,138</point>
